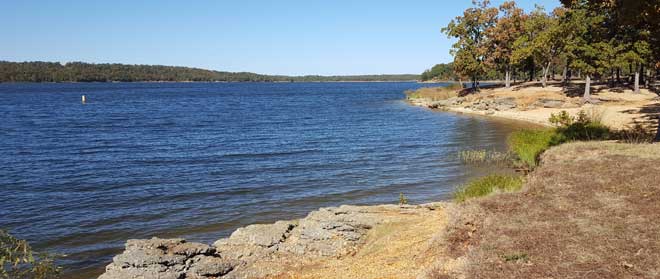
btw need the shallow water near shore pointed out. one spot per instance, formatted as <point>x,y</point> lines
<point>198,160</point>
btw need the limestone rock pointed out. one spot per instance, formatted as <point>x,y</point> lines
<point>162,259</point>
<point>255,251</point>
<point>497,104</point>
<point>549,103</point>
<point>262,235</point>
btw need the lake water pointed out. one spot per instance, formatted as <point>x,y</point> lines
<point>198,160</point>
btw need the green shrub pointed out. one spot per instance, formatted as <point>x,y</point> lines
<point>17,260</point>
<point>488,184</point>
<point>580,131</point>
<point>561,119</point>
<point>402,199</point>
<point>584,127</point>
<point>527,145</point>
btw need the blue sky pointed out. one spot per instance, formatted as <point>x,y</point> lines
<point>270,37</point>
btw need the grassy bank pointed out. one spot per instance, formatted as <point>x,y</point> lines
<point>588,211</point>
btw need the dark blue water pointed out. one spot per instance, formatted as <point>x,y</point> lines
<point>198,160</point>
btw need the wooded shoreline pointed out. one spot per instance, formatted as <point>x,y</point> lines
<point>88,72</point>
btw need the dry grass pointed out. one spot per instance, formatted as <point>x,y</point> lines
<point>434,93</point>
<point>483,157</point>
<point>589,211</point>
<point>396,248</point>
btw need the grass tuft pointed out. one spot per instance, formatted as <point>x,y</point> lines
<point>488,184</point>
<point>515,257</point>
<point>402,199</point>
<point>483,156</point>
<point>527,145</point>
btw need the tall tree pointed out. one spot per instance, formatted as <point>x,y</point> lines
<point>582,28</point>
<point>541,40</point>
<point>470,49</point>
<point>502,36</point>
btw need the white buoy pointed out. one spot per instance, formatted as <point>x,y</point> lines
<point>84,99</point>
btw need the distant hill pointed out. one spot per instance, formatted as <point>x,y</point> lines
<point>88,72</point>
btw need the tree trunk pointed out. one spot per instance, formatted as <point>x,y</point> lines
<point>507,80</point>
<point>563,74</point>
<point>618,75</point>
<point>641,74</point>
<point>630,71</point>
<point>552,77</point>
<point>587,84</point>
<point>636,82</point>
<point>657,133</point>
<point>514,77</point>
<point>647,80</point>
<point>579,73</point>
<point>546,69</point>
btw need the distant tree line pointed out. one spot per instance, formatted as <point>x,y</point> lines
<point>88,72</point>
<point>609,40</point>
<point>445,72</point>
<point>440,72</point>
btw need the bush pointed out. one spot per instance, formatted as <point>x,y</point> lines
<point>561,119</point>
<point>527,145</point>
<point>585,127</point>
<point>637,134</point>
<point>580,131</point>
<point>17,260</point>
<point>487,185</point>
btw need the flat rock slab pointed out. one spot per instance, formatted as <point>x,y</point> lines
<point>260,250</point>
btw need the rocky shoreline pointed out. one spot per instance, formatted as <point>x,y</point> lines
<point>263,250</point>
<point>502,107</point>
<point>531,103</point>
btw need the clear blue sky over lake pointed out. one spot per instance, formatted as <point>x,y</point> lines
<point>271,37</point>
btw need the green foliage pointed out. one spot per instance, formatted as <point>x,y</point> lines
<point>581,131</point>
<point>471,49</point>
<point>442,72</point>
<point>17,260</point>
<point>527,145</point>
<point>502,36</point>
<point>85,72</point>
<point>402,199</point>
<point>486,185</point>
<point>584,127</point>
<point>561,119</point>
